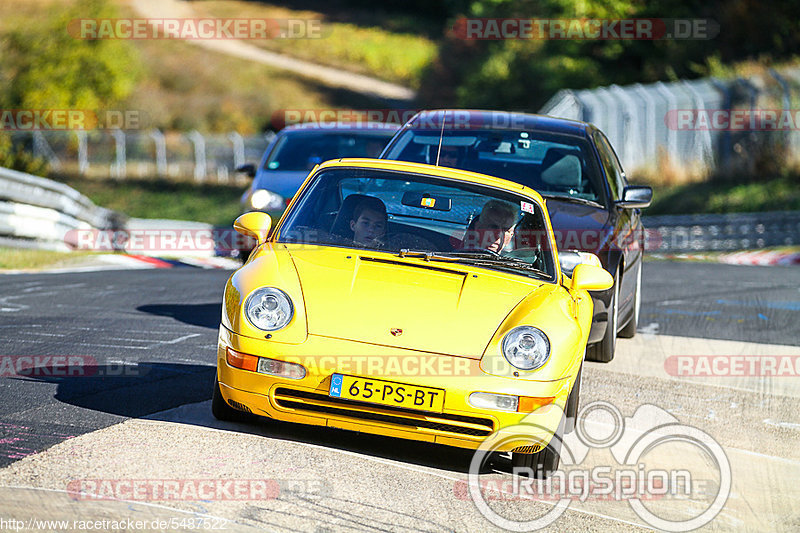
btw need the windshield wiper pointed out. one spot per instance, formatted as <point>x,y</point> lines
<point>426,254</point>
<point>486,258</point>
<point>510,263</point>
<point>573,199</point>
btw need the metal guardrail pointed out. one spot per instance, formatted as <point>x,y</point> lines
<point>43,211</point>
<point>36,210</point>
<point>727,232</point>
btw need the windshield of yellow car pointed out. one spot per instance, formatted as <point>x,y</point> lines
<point>426,216</point>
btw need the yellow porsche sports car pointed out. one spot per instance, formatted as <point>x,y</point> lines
<point>411,301</point>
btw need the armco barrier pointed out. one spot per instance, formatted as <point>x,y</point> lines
<point>38,210</point>
<point>729,232</point>
<point>42,211</point>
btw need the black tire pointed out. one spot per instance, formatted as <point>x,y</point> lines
<point>629,331</point>
<point>573,403</point>
<point>546,461</point>
<point>603,351</point>
<point>222,411</point>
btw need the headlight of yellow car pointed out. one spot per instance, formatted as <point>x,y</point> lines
<point>268,308</point>
<point>526,347</point>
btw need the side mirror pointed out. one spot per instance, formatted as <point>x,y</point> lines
<point>254,224</point>
<point>591,278</point>
<point>247,168</point>
<point>635,197</point>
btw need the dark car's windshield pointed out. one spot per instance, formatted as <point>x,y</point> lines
<point>303,150</point>
<point>422,216</point>
<point>557,165</point>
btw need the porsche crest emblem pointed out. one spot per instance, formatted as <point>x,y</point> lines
<point>396,332</point>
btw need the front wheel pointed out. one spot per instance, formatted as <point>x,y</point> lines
<point>573,403</point>
<point>222,411</point>
<point>543,463</point>
<point>603,351</point>
<point>629,330</point>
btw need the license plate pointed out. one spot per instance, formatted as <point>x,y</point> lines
<point>387,393</point>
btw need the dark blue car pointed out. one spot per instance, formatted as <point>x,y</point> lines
<point>297,149</point>
<point>573,166</point>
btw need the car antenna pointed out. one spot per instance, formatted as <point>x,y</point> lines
<point>441,134</point>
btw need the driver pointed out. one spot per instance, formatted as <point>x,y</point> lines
<point>368,222</point>
<point>493,229</point>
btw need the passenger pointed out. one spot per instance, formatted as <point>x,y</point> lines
<point>368,222</point>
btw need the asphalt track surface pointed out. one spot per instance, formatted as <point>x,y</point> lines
<point>150,337</point>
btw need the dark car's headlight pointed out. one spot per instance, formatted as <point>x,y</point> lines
<point>268,308</point>
<point>526,347</point>
<point>264,199</point>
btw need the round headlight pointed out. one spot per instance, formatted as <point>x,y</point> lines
<point>268,308</point>
<point>264,199</point>
<point>526,347</point>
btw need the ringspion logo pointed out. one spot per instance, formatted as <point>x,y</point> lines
<point>639,472</point>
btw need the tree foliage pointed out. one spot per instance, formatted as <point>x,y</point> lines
<point>46,67</point>
<point>523,74</point>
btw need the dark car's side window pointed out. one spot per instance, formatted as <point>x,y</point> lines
<point>614,172</point>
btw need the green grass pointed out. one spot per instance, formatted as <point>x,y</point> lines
<point>21,258</point>
<point>368,43</point>
<point>777,194</point>
<point>214,204</point>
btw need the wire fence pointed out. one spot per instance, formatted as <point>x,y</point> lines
<point>691,128</point>
<point>695,128</point>
<point>124,154</point>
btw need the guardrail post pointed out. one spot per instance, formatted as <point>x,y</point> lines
<point>199,143</point>
<point>238,149</point>
<point>161,152</point>
<point>119,168</point>
<point>83,152</point>
<point>42,149</point>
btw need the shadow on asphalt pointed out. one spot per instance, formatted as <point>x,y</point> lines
<point>181,393</point>
<point>204,315</point>
<point>131,390</point>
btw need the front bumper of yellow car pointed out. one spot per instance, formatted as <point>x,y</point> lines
<point>457,422</point>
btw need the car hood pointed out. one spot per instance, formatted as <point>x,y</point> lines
<point>406,303</point>
<point>580,227</point>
